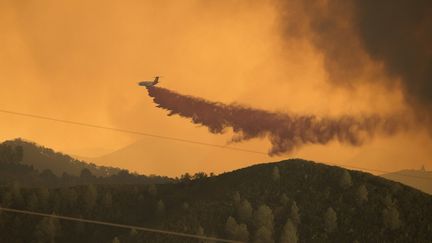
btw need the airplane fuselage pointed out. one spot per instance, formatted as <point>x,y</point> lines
<point>146,83</point>
<point>149,83</point>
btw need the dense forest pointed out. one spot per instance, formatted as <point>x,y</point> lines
<point>13,169</point>
<point>287,201</point>
<point>42,158</point>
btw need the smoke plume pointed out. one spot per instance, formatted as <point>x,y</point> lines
<point>286,132</point>
<point>352,34</point>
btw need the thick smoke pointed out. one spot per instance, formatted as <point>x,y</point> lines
<point>393,34</point>
<point>286,132</point>
<point>399,34</point>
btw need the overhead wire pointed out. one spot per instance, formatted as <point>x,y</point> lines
<point>125,226</point>
<point>129,131</point>
<point>152,135</point>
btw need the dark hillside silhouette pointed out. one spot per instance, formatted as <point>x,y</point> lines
<point>14,170</point>
<point>288,201</point>
<point>42,158</point>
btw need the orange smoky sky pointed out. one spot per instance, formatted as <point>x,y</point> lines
<point>81,60</point>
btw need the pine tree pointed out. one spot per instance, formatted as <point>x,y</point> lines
<point>289,233</point>
<point>294,213</point>
<point>236,231</point>
<point>391,218</point>
<point>244,211</point>
<point>362,194</point>
<point>236,198</point>
<point>152,190</point>
<point>284,200</point>
<point>242,233</point>
<point>160,209</point>
<point>32,202</point>
<point>107,200</point>
<point>263,235</point>
<point>16,194</point>
<point>230,226</point>
<point>47,230</point>
<point>275,173</point>
<point>263,221</point>
<point>263,216</point>
<point>185,206</point>
<point>345,180</point>
<point>43,196</point>
<point>70,196</point>
<point>90,197</point>
<point>330,220</point>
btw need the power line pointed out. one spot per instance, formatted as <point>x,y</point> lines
<point>129,131</point>
<point>84,124</point>
<point>200,237</point>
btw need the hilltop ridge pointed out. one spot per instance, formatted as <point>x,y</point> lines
<point>42,158</point>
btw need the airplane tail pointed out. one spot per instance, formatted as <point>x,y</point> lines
<point>156,80</point>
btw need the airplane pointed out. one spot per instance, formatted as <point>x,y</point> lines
<point>149,83</point>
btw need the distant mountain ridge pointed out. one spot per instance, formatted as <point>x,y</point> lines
<point>419,179</point>
<point>42,158</point>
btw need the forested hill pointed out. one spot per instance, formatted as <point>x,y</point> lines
<point>287,201</point>
<point>42,158</point>
<point>14,171</point>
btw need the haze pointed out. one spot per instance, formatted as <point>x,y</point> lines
<point>81,60</point>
